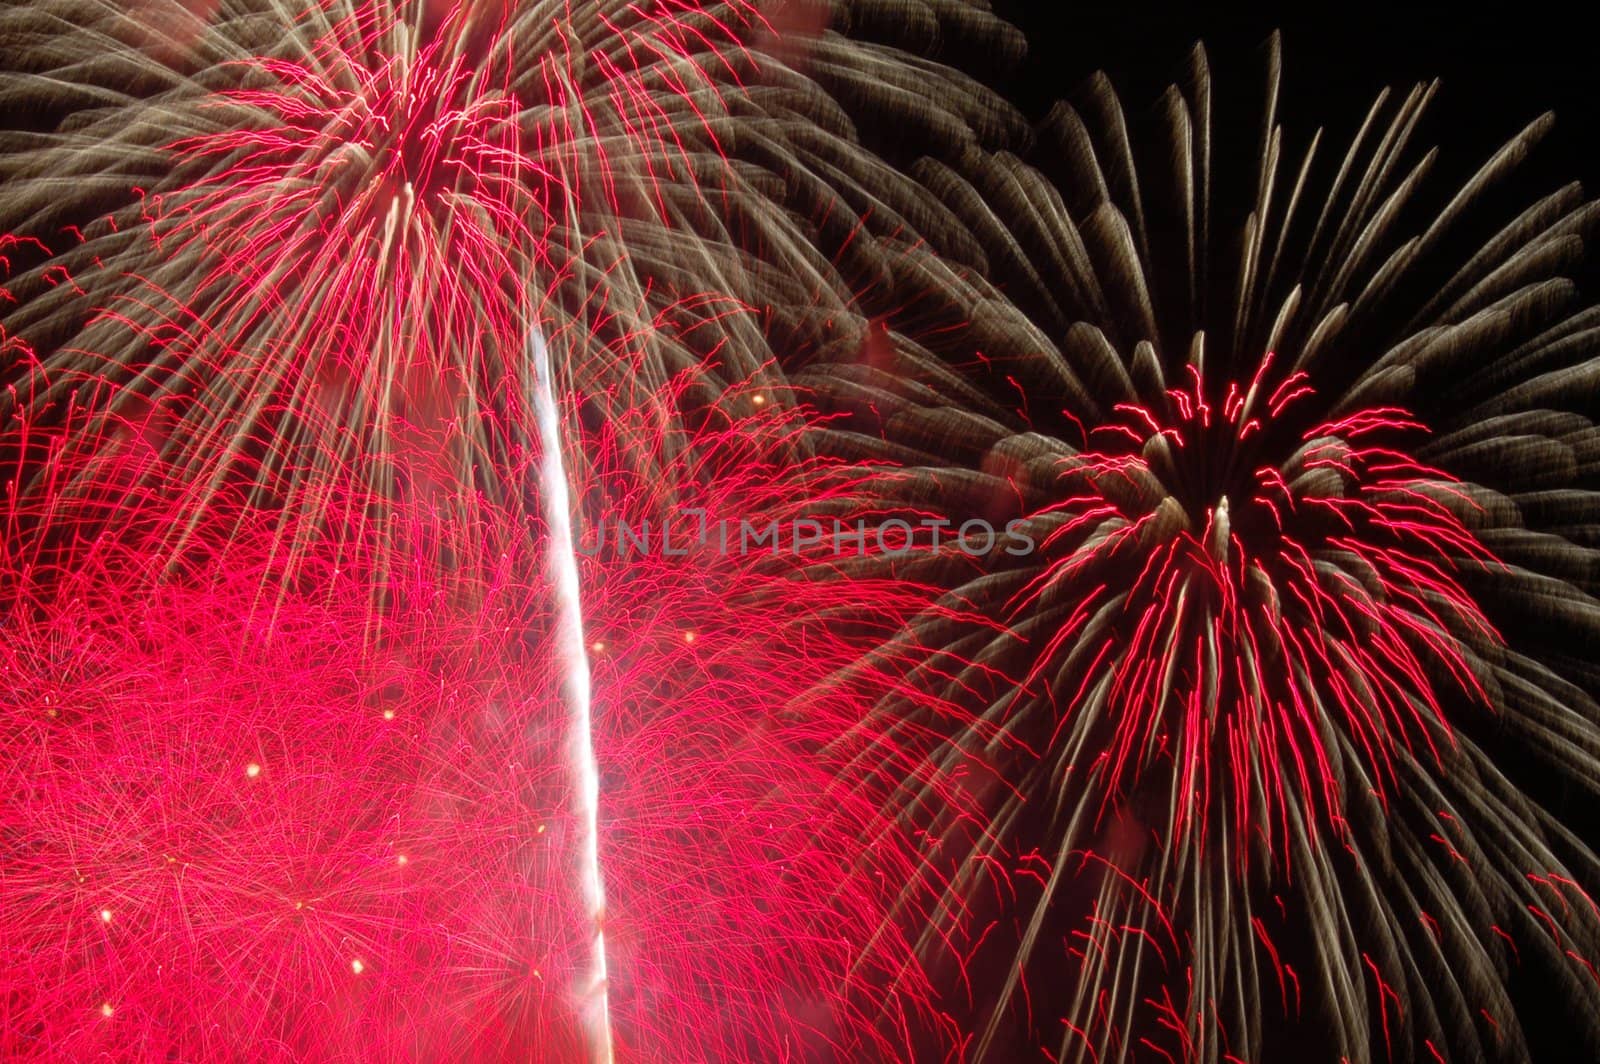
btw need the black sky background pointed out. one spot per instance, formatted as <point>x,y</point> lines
<point>1501,67</point>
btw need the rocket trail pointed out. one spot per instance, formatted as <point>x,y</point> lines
<point>571,648</point>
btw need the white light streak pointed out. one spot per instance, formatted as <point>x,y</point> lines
<point>570,646</point>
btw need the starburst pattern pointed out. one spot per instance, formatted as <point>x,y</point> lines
<point>1258,729</point>
<point>336,827</point>
<point>1259,739</point>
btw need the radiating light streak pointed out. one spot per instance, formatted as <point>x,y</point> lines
<point>570,647</point>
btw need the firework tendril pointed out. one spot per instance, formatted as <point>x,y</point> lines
<point>1256,749</point>
<point>328,325</point>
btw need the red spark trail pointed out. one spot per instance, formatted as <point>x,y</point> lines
<point>304,829</point>
<point>1227,586</point>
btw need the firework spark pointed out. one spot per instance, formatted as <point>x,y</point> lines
<point>1274,710</point>
<point>294,262</point>
<point>358,825</point>
<point>316,291</point>
<point>1260,720</point>
<point>574,657</point>
<point>270,441</point>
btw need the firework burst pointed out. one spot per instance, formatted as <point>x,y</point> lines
<point>341,224</point>
<point>239,830</point>
<point>272,279</point>
<point>1269,717</point>
<point>295,257</point>
<point>1259,725</point>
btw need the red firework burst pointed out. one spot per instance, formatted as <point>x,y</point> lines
<point>1279,582</point>
<point>1266,700</point>
<point>341,244</point>
<point>268,828</point>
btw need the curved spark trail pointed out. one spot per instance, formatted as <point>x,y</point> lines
<point>575,662</point>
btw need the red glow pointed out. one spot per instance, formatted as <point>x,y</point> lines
<point>279,693</point>
<point>1328,587</point>
<point>321,839</point>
